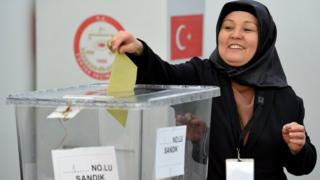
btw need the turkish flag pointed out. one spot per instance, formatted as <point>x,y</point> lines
<point>186,36</point>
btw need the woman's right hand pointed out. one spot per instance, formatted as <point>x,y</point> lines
<point>125,42</point>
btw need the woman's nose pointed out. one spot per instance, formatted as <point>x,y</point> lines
<point>236,33</point>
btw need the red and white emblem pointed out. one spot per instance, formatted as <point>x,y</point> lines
<point>90,45</point>
<point>186,36</point>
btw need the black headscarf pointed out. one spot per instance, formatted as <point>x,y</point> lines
<point>264,69</point>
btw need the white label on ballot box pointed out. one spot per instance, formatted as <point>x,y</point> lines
<point>64,112</point>
<point>240,170</point>
<point>98,163</point>
<point>170,151</point>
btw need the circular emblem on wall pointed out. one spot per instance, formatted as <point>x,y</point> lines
<point>90,45</point>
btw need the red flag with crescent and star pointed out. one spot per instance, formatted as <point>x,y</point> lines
<point>186,36</point>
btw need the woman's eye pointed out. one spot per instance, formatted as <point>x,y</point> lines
<point>247,30</point>
<point>227,27</point>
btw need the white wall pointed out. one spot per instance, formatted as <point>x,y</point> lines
<point>16,75</point>
<point>298,48</point>
<point>297,44</point>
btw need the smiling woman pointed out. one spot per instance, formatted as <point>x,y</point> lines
<point>238,38</point>
<point>258,116</point>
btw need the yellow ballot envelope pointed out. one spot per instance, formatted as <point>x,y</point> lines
<point>121,83</point>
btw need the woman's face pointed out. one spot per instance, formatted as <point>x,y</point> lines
<point>238,38</point>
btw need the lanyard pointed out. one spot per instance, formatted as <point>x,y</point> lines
<point>247,128</point>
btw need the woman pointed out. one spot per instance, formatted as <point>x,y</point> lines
<point>258,114</point>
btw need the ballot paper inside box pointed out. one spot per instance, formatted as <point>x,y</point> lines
<point>141,127</point>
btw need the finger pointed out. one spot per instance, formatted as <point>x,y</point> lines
<point>117,40</point>
<point>298,128</point>
<point>289,125</point>
<point>285,129</point>
<point>109,44</point>
<point>115,44</point>
<point>293,126</point>
<point>299,142</point>
<point>296,135</point>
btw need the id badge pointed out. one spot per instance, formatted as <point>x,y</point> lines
<point>240,170</point>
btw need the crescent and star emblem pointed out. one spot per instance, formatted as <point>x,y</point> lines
<point>180,46</point>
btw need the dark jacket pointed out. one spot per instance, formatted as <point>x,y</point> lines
<point>265,143</point>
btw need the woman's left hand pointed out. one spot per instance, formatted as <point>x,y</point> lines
<point>294,135</point>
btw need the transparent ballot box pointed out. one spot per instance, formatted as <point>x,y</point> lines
<point>156,132</point>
